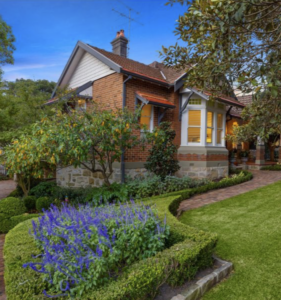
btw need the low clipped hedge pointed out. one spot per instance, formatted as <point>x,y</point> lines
<point>190,250</point>
<point>12,212</point>
<point>272,168</point>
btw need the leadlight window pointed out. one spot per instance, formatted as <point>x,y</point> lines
<point>146,119</point>
<point>194,126</point>
<point>219,128</point>
<point>195,101</point>
<point>210,127</point>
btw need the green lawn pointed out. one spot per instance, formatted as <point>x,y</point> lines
<point>249,230</point>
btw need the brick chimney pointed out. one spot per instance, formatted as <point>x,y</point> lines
<point>119,44</point>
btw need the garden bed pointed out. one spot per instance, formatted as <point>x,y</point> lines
<point>191,250</point>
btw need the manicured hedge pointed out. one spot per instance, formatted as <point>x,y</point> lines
<point>272,168</point>
<point>12,212</point>
<point>190,250</point>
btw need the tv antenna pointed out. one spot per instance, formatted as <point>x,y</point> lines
<point>129,18</point>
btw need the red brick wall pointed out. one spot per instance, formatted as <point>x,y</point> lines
<point>108,91</point>
<point>138,154</point>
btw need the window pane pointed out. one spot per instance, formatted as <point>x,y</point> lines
<point>219,121</point>
<point>219,136</point>
<point>194,134</point>
<point>194,118</point>
<point>209,119</point>
<point>146,115</point>
<point>209,135</point>
<point>194,102</point>
<point>211,103</point>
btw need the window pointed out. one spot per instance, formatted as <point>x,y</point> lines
<point>211,103</point>
<point>194,126</point>
<point>146,119</point>
<point>221,106</point>
<point>81,104</point>
<point>219,128</point>
<point>194,102</point>
<point>210,127</point>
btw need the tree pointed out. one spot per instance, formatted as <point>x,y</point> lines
<point>21,106</point>
<point>7,40</point>
<point>93,139</point>
<point>262,120</point>
<point>237,40</point>
<point>162,155</point>
<point>28,158</point>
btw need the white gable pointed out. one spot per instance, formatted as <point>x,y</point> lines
<point>88,69</point>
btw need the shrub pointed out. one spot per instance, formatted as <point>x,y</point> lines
<point>105,194</point>
<point>43,203</point>
<point>162,155</point>
<point>15,194</point>
<point>9,208</point>
<point>85,247</point>
<point>272,168</point>
<point>30,202</point>
<point>153,185</point>
<point>4,177</point>
<point>44,189</point>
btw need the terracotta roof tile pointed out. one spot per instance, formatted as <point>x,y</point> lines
<point>152,71</point>
<point>155,99</point>
<point>246,99</point>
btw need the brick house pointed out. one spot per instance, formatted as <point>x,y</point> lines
<point>117,81</point>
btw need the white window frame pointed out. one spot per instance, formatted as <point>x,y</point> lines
<point>204,108</point>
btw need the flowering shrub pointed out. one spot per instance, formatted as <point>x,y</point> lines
<point>86,247</point>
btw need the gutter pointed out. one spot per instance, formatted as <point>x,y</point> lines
<point>123,151</point>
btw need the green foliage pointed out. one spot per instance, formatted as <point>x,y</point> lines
<point>15,194</point>
<point>30,202</point>
<point>9,208</point>
<point>105,194</point>
<point>3,177</point>
<point>154,185</point>
<point>237,40</point>
<point>191,250</point>
<point>96,137</point>
<point>162,155</point>
<point>45,188</point>
<point>272,168</point>
<point>43,203</point>
<point>21,106</point>
<point>7,41</point>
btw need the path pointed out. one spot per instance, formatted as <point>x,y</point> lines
<point>6,187</point>
<point>261,178</point>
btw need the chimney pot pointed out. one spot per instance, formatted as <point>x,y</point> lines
<point>121,32</point>
<point>118,34</point>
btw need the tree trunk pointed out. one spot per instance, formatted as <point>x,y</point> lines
<point>24,183</point>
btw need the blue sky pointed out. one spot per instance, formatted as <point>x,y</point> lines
<point>46,31</point>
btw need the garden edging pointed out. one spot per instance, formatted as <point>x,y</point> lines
<point>202,286</point>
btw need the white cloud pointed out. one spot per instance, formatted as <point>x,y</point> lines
<point>27,67</point>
